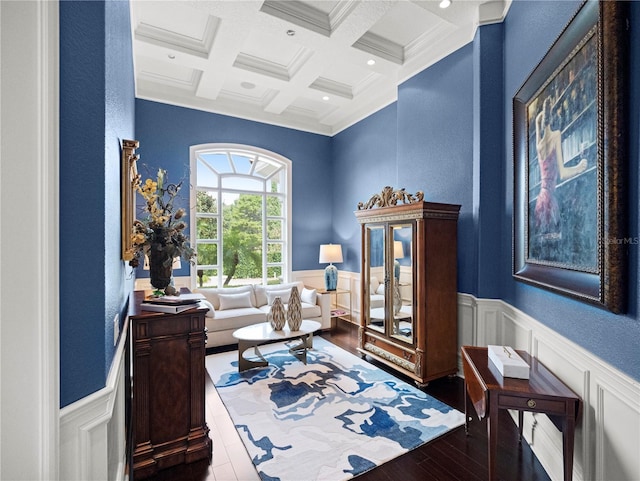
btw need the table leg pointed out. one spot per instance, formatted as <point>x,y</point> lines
<point>300,350</point>
<point>466,415</point>
<point>568,429</point>
<point>520,424</point>
<point>492,436</point>
<point>244,363</point>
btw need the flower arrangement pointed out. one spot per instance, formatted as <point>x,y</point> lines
<point>162,229</point>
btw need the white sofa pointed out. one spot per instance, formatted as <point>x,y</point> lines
<point>235,307</point>
<point>376,291</point>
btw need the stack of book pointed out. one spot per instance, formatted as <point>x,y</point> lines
<point>172,304</point>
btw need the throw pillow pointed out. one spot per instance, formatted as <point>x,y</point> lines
<point>283,294</point>
<point>309,296</point>
<point>235,301</point>
<point>380,290</point>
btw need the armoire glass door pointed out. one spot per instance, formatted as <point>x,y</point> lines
<point>401,282</point>
<point>374,275</point>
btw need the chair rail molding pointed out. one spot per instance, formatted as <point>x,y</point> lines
<point>607,439</point>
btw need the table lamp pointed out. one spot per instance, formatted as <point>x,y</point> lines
<point>330,253</point>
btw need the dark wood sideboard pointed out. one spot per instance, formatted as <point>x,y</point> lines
<point>167,356</point>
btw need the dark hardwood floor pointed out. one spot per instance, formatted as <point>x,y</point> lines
<point>451,457</point>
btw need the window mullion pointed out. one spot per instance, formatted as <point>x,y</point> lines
<point>265,238</point>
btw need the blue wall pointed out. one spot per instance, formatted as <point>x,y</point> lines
<point>166,132</point>
<point>488,160</point>
<point>96,112</point>
<point>435,144</point>
<point>529,30</point>
<point>416,143</point>
<point>364,161</point>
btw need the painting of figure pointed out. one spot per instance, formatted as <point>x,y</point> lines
<point>562,176</point>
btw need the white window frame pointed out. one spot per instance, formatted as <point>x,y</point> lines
<point>250,151</point>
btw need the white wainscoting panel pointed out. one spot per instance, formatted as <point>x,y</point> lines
<point>607,440</point>
<point>486,322</point>
<point>92,430</point>
<point>514,332</point>
<point>617,421</point>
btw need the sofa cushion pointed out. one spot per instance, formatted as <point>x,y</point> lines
<point>283,294</point>
<point>260,291</point>
<point>376,301</point>
<point>309,311</point>
<point>236,318</point>
<point>235,301</point>
<point>212,294</point>
<point>309,295</point>
<point>373,284</point>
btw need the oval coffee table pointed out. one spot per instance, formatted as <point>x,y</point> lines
<point>256,334</point>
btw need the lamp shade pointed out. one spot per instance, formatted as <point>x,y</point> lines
<point>330,253</point>
<point>398,250</point>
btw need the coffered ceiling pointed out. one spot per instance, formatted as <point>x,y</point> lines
<point>318,66</point>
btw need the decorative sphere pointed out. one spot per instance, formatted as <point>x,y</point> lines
<point>171,291</point>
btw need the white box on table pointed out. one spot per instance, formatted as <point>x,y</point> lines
<point>508,362</point>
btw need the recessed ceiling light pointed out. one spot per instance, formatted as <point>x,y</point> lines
<point>291,33</point>
<point>325,98</point>
<point>171,56</point>
<point>247,85</point>
<point>445,3</point>
<point>371,62</point>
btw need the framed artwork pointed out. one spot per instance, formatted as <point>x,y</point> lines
<point>129,179</point>
<point>569,121</point>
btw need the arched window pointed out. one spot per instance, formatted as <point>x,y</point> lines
<point>240,224</point>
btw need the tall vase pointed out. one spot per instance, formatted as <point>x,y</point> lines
<point>276,316</point>
<point>160,262</point>
<point>294,310</point>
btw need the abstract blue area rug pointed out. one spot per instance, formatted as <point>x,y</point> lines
<point>330,420</point>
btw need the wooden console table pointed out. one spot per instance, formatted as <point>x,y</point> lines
<point>541,393</point>
<point>168,390</point>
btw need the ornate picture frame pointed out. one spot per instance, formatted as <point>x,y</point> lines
<point>570,153</point>
<point>129,179</point>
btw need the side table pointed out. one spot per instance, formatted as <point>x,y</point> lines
<point>337,313</point>
<point>541,393</point>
